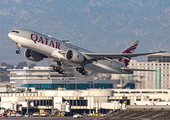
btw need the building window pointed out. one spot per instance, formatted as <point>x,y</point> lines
<point>78,102</point>
<point>69,86</point>
<point>138,99</point>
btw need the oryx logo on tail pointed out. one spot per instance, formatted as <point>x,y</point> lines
<point>129,49</point>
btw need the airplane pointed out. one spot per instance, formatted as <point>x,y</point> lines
<point>39,46</point>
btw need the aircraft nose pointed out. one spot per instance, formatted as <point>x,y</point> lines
<point>10,36</point>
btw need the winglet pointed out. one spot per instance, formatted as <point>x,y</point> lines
<point>162,51</point>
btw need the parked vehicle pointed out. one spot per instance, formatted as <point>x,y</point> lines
<point>42,114</point>
<point>18,115</point>
<point>13,115</point>
<point>35,114</point>
<point>103,114</point>
<point>3,115</point>
<point>78,116</point>
<point>90,114</point>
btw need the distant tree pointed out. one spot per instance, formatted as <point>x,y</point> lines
<point>21,65</point>
<point>5,77</point>
<point>8,86</point>
<point>31,65</point>
<point>8,66</point>
<point>3,64</point>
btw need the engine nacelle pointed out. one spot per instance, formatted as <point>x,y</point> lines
<point>33,56</point>
<point>75,56</point>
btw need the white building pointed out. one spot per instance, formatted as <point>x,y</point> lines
<point>78,101</point>
<point>61,100</point>
<point>46,78</point>
<point>142,96</point>
<point>147,79</point>
<point>36,73</point>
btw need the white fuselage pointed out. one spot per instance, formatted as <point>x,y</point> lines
<point>49,46</point>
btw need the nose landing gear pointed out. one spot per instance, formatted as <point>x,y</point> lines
<point>18,51</point>
<point>18,46</point>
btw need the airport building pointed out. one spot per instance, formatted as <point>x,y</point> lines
<point>158,79</point>
<point>159,57</point>
<point>46,78</point>
<point>61,100</point>
<point>142,96</point>
<point>79,101</point>
<point>147,79</point>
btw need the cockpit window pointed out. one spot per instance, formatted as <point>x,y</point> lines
<point>15,31</point>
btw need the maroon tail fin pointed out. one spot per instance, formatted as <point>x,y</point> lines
<point>129,49</point>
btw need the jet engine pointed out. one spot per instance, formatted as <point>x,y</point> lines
<point>33,56</point>
<point>75,56</point>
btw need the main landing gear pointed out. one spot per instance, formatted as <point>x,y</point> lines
<point>58,68</point>
<point>82,71</point>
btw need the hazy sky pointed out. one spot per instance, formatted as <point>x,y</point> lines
<point>98,25</point>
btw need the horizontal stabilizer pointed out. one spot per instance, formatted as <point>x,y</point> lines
<point>132,69</point>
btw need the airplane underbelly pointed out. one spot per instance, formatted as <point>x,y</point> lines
<point>101,68</point>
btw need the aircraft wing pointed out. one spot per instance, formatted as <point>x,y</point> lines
<point>132,69</point>
<point>102,56</point>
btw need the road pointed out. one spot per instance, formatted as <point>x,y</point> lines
<point>46,118</point>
